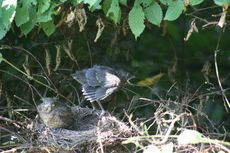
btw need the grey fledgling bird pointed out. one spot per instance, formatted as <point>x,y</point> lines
<point>99,82</point>
<point>55,114</point>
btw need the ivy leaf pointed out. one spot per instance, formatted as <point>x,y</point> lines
<point>48,27</point>
<point>222,2</point>
<point>136,20</point>
<point>195,2</point>
<point>43,5</point>
<point>7,13</point>
<point>174,10</point>
<point>112,10</point>
<point>154,13</point>
<point>28,26</point>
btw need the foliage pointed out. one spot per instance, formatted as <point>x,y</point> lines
<point>27,14</point>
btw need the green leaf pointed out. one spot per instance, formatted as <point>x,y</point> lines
<point>154,13</point>
<point>123,2</point>
<point>47,15</point>
<point>28,26</point>
<point>43,5</point>
<point>1,58</point>
<point>112,10</point>
<point>174,10</point>
<point>22,11</point>
<point>74,2</point>
<point>222,2</point>
<point>93,4</point>
<point>166,2</point>
<point>136,20</point>
<point>147,3</point>
<point>106,5</point>
<point>189,137</point>
<point>195,2</point>
<point>7,13</point>
<point>48,27</point>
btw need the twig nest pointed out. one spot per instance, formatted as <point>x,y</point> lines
<point>87,130</point>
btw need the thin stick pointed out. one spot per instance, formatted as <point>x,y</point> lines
<point>225,99</point>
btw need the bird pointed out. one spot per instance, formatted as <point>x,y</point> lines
<point>99,82</point>
<point>54,113</point>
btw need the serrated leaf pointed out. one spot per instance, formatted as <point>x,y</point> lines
<point>136,20</point>
<point>1,58</point>
<point>195,2</point>
<point>174,10</point>
<point>222,2</point>
<point>189,137</point>
<point>154,13</point>
<point>43,5</point>
<point>28,26</point>
<point>114,12</point>
<point>48,27</point>
<point>7,13</point>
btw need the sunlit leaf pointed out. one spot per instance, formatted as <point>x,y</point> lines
<point>93,4</point>
<point>123,2</point>
<point>189,137</point>
<point>167,148</point>
<point>7,13</point>
<point>151,80</point>
<point>43,5</point>
<point>114,12</point>
<point>195,2</point>
<point>222,2</point>
<point>23,11</point>
<point>136,20</point>
<point>28,26</point>
<point>154,13</point>
<point>152,149</point>
<point>174,10</point>
<point>47,15</point>
<point>48,27</point>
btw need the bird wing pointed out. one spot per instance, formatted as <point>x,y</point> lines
<point>107,78</point>
<point>97,93</point>
<point>102,93</point>
<point>91,77</point>
<point>89,92</point>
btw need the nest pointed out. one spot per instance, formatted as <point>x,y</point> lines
<point>90,131</point>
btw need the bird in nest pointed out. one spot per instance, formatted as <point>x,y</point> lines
<point>99,82</point>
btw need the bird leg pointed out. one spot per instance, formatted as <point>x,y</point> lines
<point>100,105</point>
